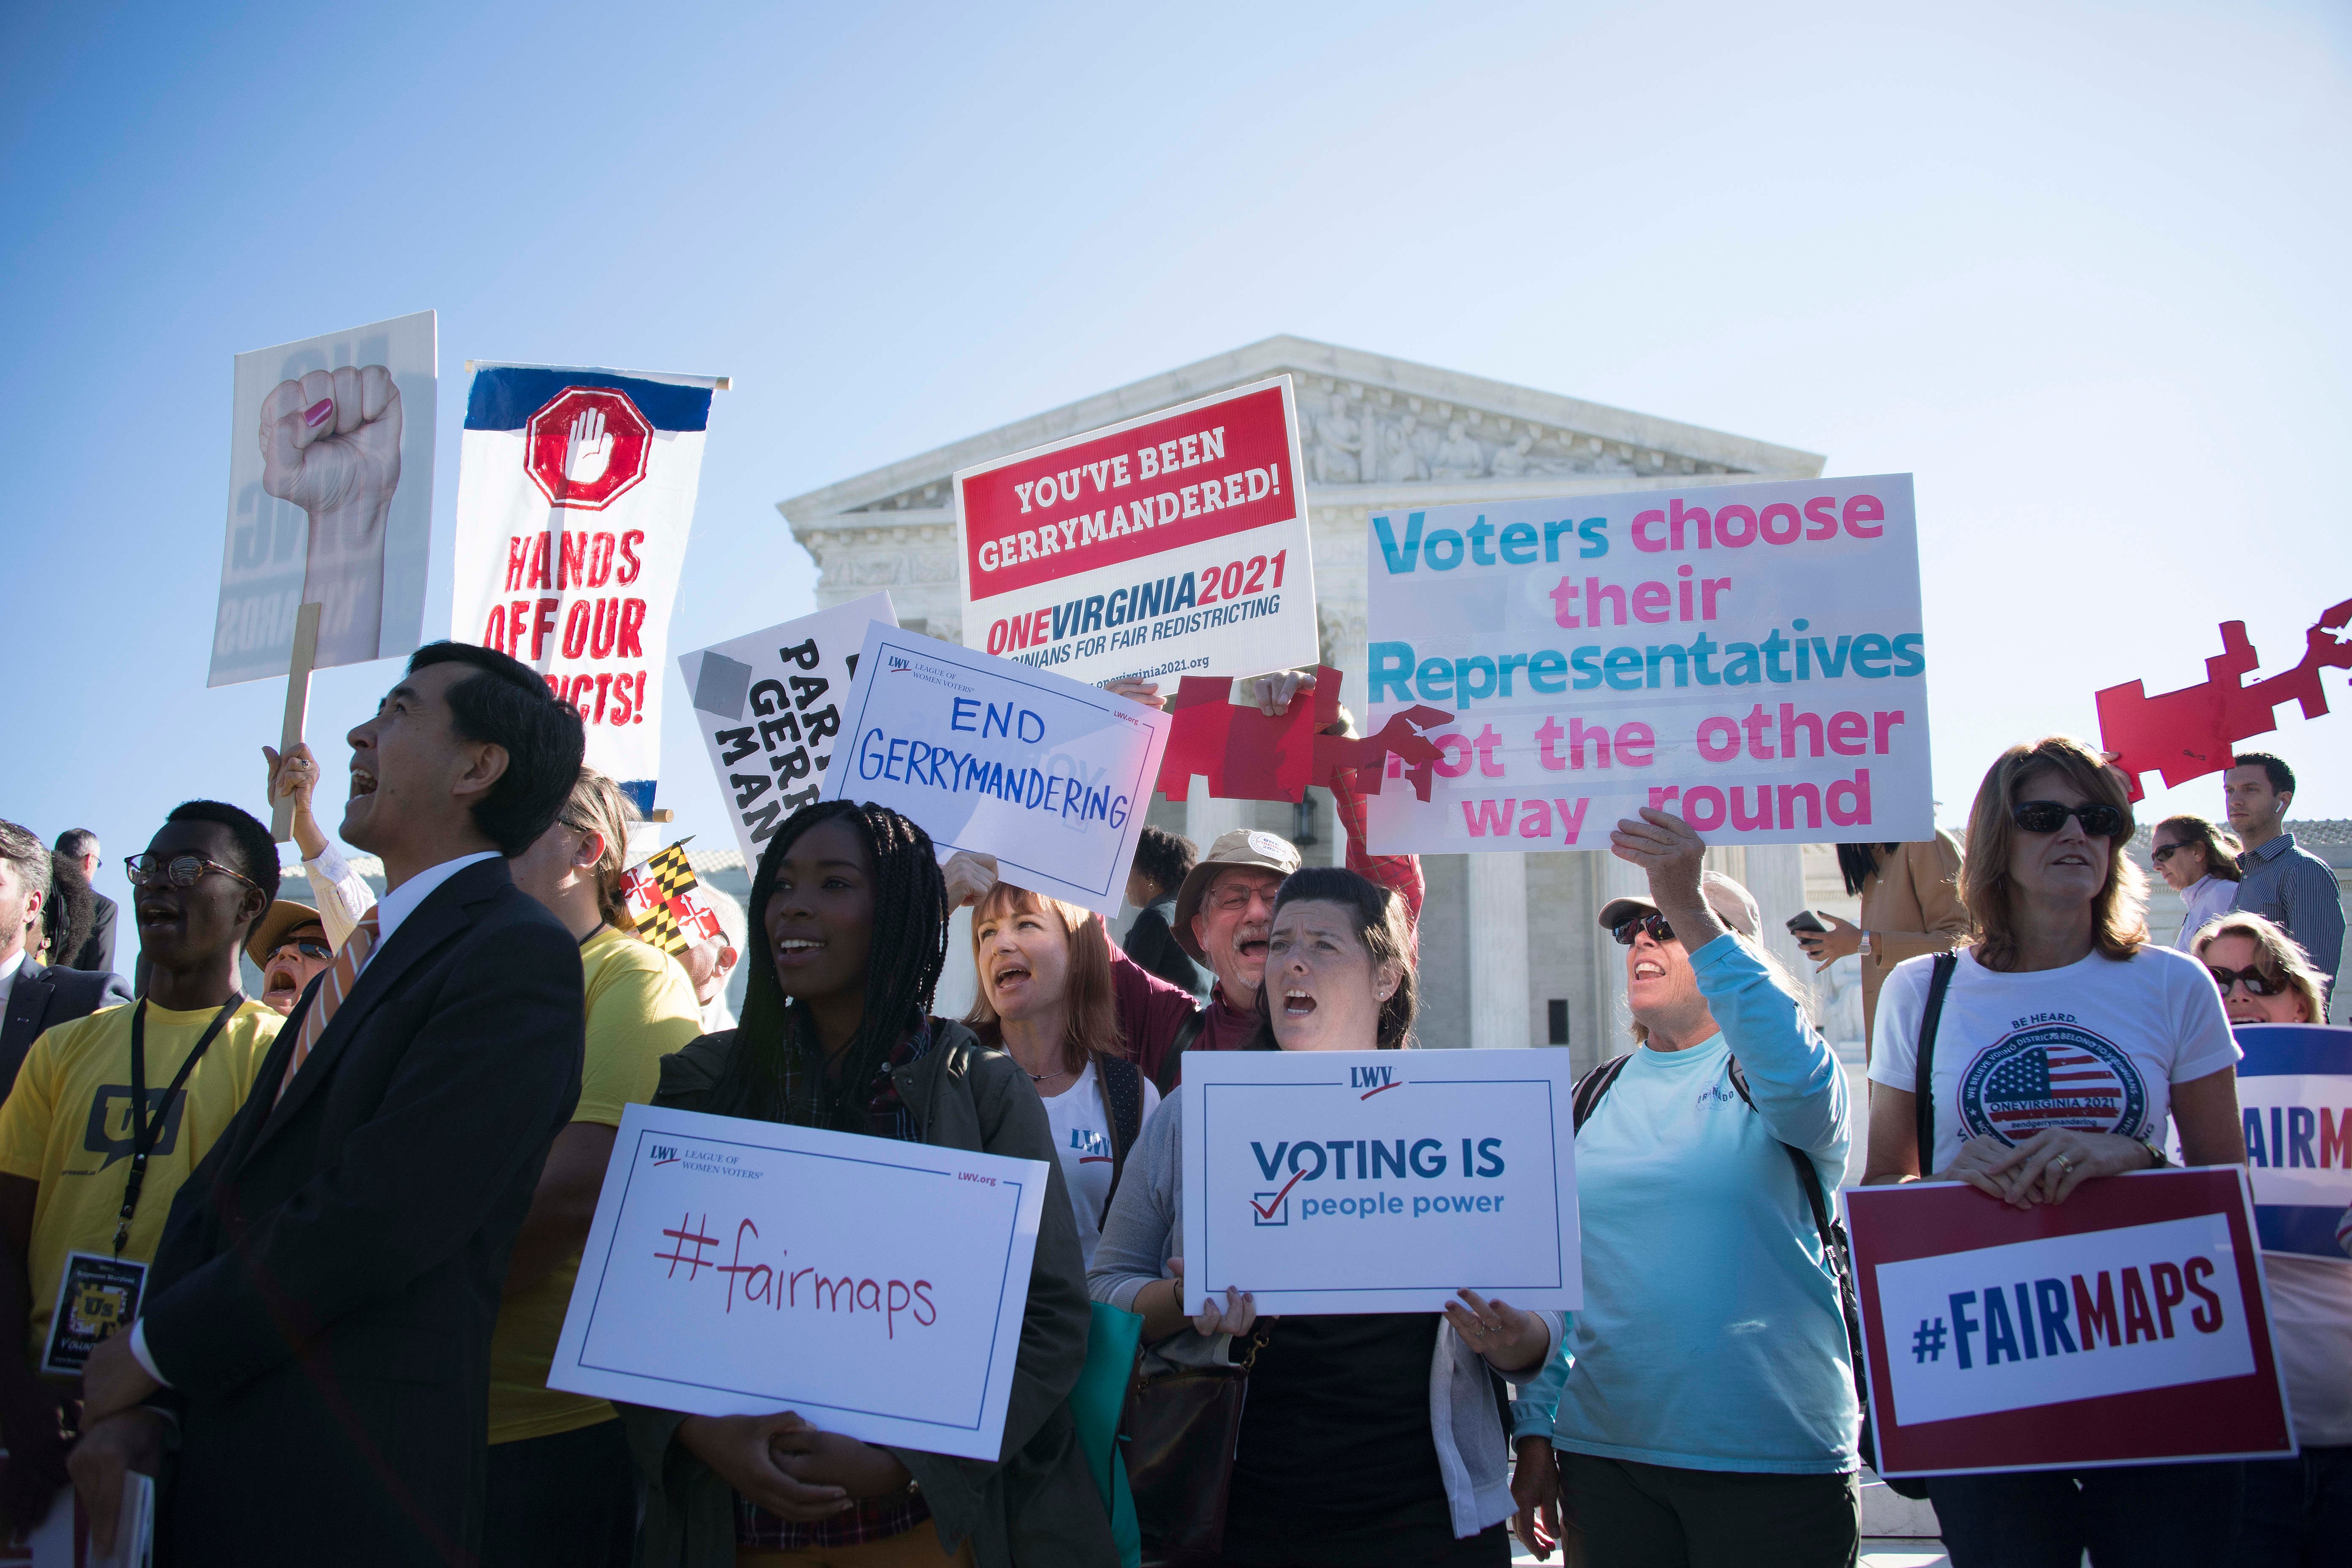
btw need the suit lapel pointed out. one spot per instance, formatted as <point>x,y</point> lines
<point>28,1004</point>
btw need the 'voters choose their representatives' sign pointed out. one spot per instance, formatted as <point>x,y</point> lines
<point>2294,1089</point>
<point>1748,657</point>
<point>742,1268</point>
<point>769,707</point>
<point>1050,776</point>
<point>2124,1326</point>
<point>1351,1182</point>
<point>1171,545</point>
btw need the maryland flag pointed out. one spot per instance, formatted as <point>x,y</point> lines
<point>660,895</point>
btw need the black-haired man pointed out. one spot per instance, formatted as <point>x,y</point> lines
<point>112,1112</point>
<point>1162,861</point>
<point>318,1320</point>
<point>2281,882</point>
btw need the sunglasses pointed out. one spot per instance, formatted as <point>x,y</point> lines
<point>2098,819</point>
<point>2254,980</point>
<point>1655,925</point>
<point>304,948</point>
<point>2164,852</point>
<point>152,870</point>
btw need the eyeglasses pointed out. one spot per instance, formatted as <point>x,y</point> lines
<point>151,869</point>
<point>304,948</point>
<point>2254,980</point>
<point>2164,852</point>
<point>1655,925</point>
<point>1232,900</point>
<point>2099,819</point>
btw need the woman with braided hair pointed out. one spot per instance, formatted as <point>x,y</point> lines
<point>837,1033</point>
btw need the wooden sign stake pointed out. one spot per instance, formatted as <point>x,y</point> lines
<point>298,698</point>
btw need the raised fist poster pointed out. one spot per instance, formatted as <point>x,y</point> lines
<point>575,491</point>
<point>1171,545</point>
<point>329,497</point>
<point>1748,657</point>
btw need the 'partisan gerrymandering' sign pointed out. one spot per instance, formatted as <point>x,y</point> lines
<point>1171,545</point>
<point>742,1268</point>
<point>1351,1182</point>
<point>1746,656</point>
<point>769,707</point>
<point>1050,776</point>
<point>2294,1089</point>
<point>2124,1326</point>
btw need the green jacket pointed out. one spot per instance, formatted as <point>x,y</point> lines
<point>1036,1507</point>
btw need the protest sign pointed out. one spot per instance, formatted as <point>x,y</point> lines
<point>1349,1182</point>
<point>2124,1326</point>
<point>769,707</point>
<point>329,497</point>
<point>1050,776</point>
<point>1748,657</point>
<point>1173,544</point>
<point>2294,1089</point>
<point>740,1268</point>
<point>575,491</point>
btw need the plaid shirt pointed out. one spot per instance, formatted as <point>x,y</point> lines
<point>1400,874</point>
<point>874,1518</point>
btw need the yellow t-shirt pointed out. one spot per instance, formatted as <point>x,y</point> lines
<point>641,1008</point>
<point>67,1125</point>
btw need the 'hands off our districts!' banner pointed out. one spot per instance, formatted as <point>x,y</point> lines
<point>1174,544</point>
<point>575,495</point>
<point>1748,657</point>
<point>2294,1089</point>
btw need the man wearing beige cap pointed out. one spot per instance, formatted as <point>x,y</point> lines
<point>1223,913</point>
<point>290,946</point>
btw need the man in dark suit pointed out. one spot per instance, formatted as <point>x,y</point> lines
<point>319,1318</point>
<point>35,997</point>
<point>79,845</point>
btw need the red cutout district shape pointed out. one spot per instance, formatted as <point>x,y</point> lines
<point>2188,733</point>
<point>1246,755</point>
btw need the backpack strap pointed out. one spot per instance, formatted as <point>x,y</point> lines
<point>1172,1066</point>
<point>1122,1082</point>
<point>1586,1096</point>
<point>1923,1094</point>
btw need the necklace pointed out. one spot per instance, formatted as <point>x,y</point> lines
<point>1042,1076</point>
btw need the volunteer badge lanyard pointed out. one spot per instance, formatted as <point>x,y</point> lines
<point>144,1129</point>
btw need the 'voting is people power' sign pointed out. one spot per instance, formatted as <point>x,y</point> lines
<point>2124,1326</point>
<point>1169,545</point>
<point>2294,1090</point>
<point>1748,657</point>
<point>740,1268</point>
<point>1380,1181</point>
<point>1049,776</point>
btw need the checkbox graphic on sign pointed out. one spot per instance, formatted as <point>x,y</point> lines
<point>1270,1208</point>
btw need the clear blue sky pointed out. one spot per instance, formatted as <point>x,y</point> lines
<point>2079,268</point>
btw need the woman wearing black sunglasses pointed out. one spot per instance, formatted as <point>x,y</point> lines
<point>2067,1043</point>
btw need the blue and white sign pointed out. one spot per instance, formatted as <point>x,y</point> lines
<point>1048,774</point>
<point>1345,1181</point>
<point>2294,1089</point>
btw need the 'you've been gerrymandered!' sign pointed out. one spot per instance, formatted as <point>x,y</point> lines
<point>742,1268</point>
<point>1748,657</point>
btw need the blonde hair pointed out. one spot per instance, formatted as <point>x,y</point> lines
<point>2278,955</point>
<point>1089,1003</point>
<point>597,805</point>
<point>2118,923</point>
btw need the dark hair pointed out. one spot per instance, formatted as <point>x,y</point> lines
<point>910,947</point>
<point>254,847</point>
<point>1857,863</point>
<point>21,849</point>
<point>1166,857</point>
<point>508,704</point>
<point>77,842</point>
<point>67,913</point>
<point>1379,924</point>
<point>2221,858</point>
<point>2274,769</point>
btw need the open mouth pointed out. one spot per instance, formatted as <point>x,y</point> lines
<point>1297,1004</point>
<point>156,914</point>
<point>281,982</point>
<point>363,782</point>
<point>1646,970</point>
<point>795,948</point>
<point>1252,947</point>
<point>1011,975</point>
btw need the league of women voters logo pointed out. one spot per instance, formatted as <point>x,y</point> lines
<point>586,448</point>
<point>2052,1072</point>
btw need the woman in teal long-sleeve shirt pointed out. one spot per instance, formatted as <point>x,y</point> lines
<point>1702,1410</point>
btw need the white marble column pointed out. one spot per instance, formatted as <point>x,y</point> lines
<point>1497,935</point>
<point>959,978</point>
<point>1776,876</point>
<point>1205,818</point>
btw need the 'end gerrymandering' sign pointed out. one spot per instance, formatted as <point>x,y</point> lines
<point>1169,545</point>
<point>1746,656</point>
<point>742,1268</point>
<point>1345,1181</point>
<point>2124,1326</point>
<point>1050,776</point>
<point>2294,1090</point>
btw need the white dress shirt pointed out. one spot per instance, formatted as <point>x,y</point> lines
<point>8,973</point>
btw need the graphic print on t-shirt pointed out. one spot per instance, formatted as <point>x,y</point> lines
<point>1092,1144</point>
<point>2051,1071</point>
<point>110,1133</point>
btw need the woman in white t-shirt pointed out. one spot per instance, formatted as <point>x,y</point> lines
<point>2066,1044</point>
<point>1046,996</point>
